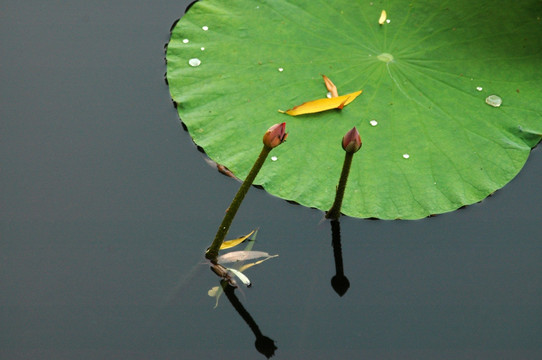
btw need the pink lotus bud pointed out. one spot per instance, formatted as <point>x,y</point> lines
<point>352,141</point>
<point>275,135</point>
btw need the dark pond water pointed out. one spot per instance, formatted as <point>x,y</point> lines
<point>107,207</point>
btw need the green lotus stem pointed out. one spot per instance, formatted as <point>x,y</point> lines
<point>274,136</point>
<point>212,252</point>
<point>335,211</point>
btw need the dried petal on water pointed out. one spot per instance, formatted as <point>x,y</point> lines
<point>247,266</point>
<point>215,292</point>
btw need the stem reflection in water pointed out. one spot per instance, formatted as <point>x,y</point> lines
<point>339,282</point>
<point>263,344</point>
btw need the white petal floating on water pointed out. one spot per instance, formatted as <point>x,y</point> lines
<point>245,280</point>
<point>241,256</point>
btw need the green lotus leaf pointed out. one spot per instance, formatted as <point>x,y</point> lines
<point>431,143</point>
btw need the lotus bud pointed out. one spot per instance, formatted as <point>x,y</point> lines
<point>275,135</point>
<point>352,141</point>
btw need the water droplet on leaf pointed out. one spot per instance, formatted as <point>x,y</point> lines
<point>385,57</point>
<point>194,62</point>
<point>494,100</point>
<point>274,158</point>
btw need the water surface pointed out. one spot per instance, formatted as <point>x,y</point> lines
<point>107,208</point>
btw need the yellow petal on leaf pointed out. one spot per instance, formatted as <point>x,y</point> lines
<point>383,17</point>
<point>330,87</point>
<point>231,243</point>
<point>322,104</point>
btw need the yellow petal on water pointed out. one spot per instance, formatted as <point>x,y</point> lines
<point>383,17</point>
<point>330,86</point>
<point>247,266</point>
<point>231,243</point>
<point>320,105</point>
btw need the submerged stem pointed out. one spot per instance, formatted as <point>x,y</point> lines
<point>335,211</point>
<point>212,253</point>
